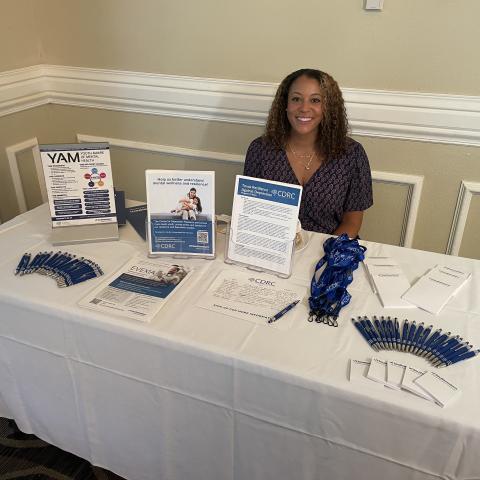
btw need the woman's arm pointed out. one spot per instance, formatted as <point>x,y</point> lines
<point>351,223</point>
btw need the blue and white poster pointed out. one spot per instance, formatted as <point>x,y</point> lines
<point>264,224</point>
<point>181,212</point>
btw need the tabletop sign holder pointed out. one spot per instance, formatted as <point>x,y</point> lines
<point>264,225</point>
<point>230,243</point>
<point>79,183</point>
<point>180,219</point>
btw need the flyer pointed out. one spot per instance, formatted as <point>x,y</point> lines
<point>181,212</point>
<point>264,223</point>
<point>138,290</point>
<point>251,296</point>
<point>79,183</point>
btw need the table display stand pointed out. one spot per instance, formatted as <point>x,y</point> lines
<point>229,238</point>
<point>104,232</point>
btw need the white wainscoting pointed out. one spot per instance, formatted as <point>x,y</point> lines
<point>453,119</point>
<point>465,194</point>
<point>413,182</point>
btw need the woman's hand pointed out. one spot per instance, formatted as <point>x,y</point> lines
<point>351,223</point>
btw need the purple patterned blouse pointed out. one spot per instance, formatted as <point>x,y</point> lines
<point>343,184</point>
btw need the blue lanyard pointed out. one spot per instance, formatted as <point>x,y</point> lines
<point>329,288</point>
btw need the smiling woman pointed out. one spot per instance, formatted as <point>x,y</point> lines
<point>305,142</point>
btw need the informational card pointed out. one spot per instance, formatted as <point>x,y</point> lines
<point>264,222</point>
<point>388,280</point>
<point>251,296</point>
<point>79,183</point>
<point>441,389</point>
<point>433,290</point>
<point>138,290</point>
<point>181,212</point>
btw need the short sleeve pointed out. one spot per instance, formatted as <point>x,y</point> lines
<point>360,195</point>
<point>253,159</point>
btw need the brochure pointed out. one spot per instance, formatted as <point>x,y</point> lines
<point>252,296</point>
<point>181,212</point>
<point>138,290</point>
<point>79,183</point>
<point>264,224</point>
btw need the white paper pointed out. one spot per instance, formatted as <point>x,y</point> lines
<point>432,291</point>
<point>389,281</point>
<point>264,223</point>
<point>395,373</point>
<point>441,389</point>
<point>138,290</point>
<point>378,371</point>
<point>408,383</point>
<point>252,296</point>
<point>79,183</point>
<point>358,371</point>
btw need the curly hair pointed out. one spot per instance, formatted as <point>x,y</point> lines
<point>333,129</point>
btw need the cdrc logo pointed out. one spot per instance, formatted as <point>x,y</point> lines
<point>262,281</point>
<point>95,177</point>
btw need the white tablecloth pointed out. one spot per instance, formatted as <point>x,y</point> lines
<point>199,395</point>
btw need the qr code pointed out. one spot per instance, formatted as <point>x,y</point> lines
<point>202,237</point>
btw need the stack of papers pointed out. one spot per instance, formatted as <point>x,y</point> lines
<point>388,281</point>
<point>432,291</point>
<point>424,384</point>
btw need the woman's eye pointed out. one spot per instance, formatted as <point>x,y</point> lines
<point>295,99</point>
<point>316,100</point>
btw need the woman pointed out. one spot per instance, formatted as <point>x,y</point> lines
<point>305,142</point>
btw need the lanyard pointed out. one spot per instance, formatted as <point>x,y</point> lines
<point>329,287</point>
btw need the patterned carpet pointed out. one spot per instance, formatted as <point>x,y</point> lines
<point>26,457</point>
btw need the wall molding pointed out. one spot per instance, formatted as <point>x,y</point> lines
<point>464,199</point>
<point>426,117</point>
<point>414,183</point>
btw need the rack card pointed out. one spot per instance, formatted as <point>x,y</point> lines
<point>180,213</point>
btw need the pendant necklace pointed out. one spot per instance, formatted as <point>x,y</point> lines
<point>300,157</point>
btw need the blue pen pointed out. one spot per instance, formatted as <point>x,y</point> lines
<point>436,343</point>
<point>422,339</point>
<point>373,333</point>
<point>396,327</point>
<point>466,356</point>
<point>23,263</point>
<point>380,332</point>
<point>416,337</point>
<point>411,333</point>
<point>429,341</point>
<point>403,341</point>
<point>364,334</point>
<point>445,349</point>
<point>282,312</point>
<point>451,352</point>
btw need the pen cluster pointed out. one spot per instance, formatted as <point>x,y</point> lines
<point>65,268</point>
<point>439,348</point>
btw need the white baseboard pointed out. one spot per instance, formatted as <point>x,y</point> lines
<point>452,119</point>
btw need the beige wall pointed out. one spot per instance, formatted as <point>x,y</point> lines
<point>412,45</point>
<point>19,35</point>
<point>404,48</point>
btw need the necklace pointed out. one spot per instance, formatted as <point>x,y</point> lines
<point>302,157</point>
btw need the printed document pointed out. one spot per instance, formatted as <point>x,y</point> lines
<point>264,222</point>
<point>251,296</point>
<point>79,183</point>
<point>138,290</point>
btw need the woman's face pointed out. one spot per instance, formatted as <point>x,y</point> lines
<point>304,107</point>
<point>192,194</point>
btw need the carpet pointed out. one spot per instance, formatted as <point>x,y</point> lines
<point>26,457</point>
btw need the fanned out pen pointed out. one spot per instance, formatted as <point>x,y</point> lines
<point>439,348</point>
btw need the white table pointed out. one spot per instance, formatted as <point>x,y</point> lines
<point>199,395</point>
